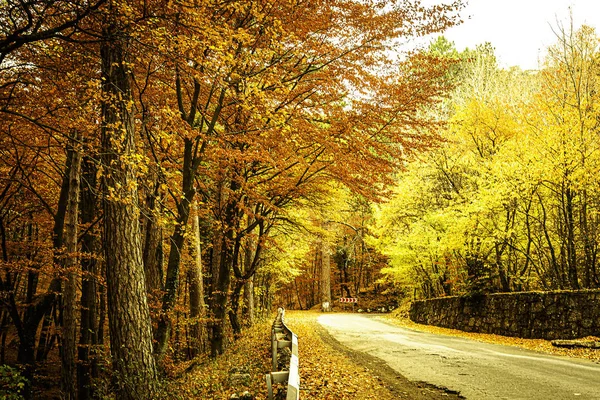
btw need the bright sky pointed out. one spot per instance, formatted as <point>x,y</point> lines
<point>520,30</point>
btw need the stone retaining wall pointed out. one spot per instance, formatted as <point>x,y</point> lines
<point>547,315</point>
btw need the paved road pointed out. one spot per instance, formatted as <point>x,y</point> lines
<point>477,370</point>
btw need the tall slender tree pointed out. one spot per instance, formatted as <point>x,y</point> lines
<point>129,316</point>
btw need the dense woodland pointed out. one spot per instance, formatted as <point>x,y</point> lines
<point>173,170</point>
<point>168,166</point>
<point>506,200</point>
<point>510,200</point>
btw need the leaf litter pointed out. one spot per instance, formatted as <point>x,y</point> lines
<point>327,370</point>
<point>540,345</point>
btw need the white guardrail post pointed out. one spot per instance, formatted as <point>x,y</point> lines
<point>282,337</point>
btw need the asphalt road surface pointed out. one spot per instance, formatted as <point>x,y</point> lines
<point>477,370</point>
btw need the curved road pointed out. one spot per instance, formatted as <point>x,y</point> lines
<point>477,370</point>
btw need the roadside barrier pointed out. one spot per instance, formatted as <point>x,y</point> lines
<point>348,300</point>
<point>284,359</point>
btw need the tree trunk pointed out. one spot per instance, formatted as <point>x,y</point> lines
<point>315,293</point>
<point>235,307</point>
<point>69,329</point>
<point>102,305</point>
<point>226,258</point>
<point>88,331</point>
<point>129,316</point>
<point>249,301</point>
<point>177,241</point>
<point>215,253</point>
<point>197,306</point>
<point>220,295</point>
<point>571,252</point>
<point>153,248</point>
<point>504,278</point>
<point>554,264</point>
<point>325,272</point>
<point>588,243</point>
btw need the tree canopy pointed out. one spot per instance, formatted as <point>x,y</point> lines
<point>199,134</point>
<point>508,202</point>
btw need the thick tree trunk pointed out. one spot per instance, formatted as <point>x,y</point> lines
<point>129,316</point>
<point>69,329</point>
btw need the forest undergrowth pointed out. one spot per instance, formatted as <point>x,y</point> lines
<point>213,378</point>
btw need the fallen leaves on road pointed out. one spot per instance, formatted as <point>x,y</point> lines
<point>326,373</point>
<point>541,345</point>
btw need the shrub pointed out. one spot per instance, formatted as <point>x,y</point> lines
<point>12,383</point>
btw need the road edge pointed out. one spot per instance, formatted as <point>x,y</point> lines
<point>395,382</point>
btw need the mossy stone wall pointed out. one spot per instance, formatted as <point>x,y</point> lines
<point>545,315</point>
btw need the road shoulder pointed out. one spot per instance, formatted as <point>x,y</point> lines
<point>400,386</point>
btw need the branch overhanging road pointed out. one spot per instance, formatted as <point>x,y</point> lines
<point>479,371</point>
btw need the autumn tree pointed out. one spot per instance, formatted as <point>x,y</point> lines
<point>442,228</point>
<point>513,188</point>
<point>36,129</point>
<point>129,318</point>
<point>567,109</point>
<point>250,109</point>
<point>265,88</point>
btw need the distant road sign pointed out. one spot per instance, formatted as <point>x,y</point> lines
<point>348,300</point>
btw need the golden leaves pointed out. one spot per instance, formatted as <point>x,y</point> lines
<point>326,373</point>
